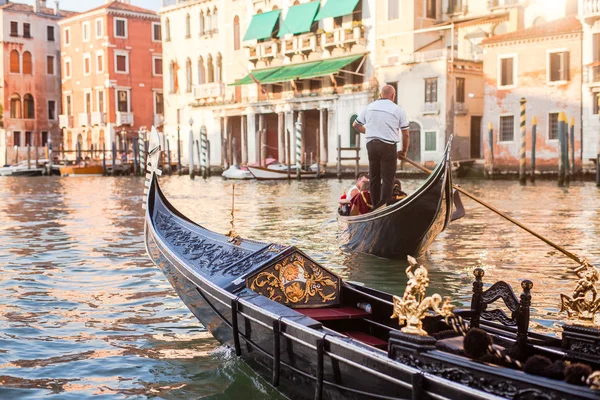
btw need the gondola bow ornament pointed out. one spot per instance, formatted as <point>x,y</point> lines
<point>585,303</point>
<point>413,307</point>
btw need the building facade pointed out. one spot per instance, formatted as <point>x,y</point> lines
<point>112,82</point>
<point>31,72</point>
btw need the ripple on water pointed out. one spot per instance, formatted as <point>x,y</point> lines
<point>85,313</point>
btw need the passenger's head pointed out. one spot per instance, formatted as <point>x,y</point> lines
<point>388,92</point>
<point>397,184</point>
<point>362,181</point>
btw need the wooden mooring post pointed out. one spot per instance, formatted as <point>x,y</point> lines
<point>289,154</point>
<point>104,159</point>
<point>491,143</point>
<point>28,156</point>
<point>533,145</point>
<point>572,147</point>
<point>562,167</point>
<point>356,158</point>
<point>114,156</point>
<point>523,153</point>
<point>318,155</point>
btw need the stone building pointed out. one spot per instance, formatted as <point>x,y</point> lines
<point>111,76</point>
<point>31,74</point>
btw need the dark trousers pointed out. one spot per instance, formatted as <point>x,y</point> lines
<point>382,169</point>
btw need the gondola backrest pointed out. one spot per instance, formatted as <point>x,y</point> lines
<point>297,281</point>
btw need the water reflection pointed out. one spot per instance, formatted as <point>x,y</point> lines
<point>85,313</point>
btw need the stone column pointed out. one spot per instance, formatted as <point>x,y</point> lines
<point>302,141</point>
<point>281,135</point>
<point>259,148</point>
<point>244,143</point>
<point>323,129</point>
<point>251,136</point>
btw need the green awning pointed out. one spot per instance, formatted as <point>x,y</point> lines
<point>290,72</point>
<point>336,8</point>
<point>328,67</point>
<point>299,19</point>
<point>259,75</point>
<point>262,25</point>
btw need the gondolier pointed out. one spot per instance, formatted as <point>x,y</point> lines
<point>381,121</point>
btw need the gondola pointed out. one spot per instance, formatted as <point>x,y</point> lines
<point>313,335</point>
<point>407,227</point>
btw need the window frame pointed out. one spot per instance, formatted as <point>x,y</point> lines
<point>86,26</point>
<point>121,53</point>
<point>154,25</point>
<point>32,72</point>
<point>549,66</point>
<point>98,91</point>
<point>425,80</point>
<point>55,116</point>
<point>155,96</point>
<point>67,60</point>
<point>154,58</point>
<point>85,93</point>
<point>87,56</point>
<point>436,133</point>
<point>464,89</point>
<point>99,53</point>
<point>50,28</point>
<point>515,120</point>
<point>101,35</point>
<point>121,89</point>
<point>68,95</point>
<point>427,15</point>
<point>389,19</point>
<point>10,33</point>
<point>53,64</point>
<point>20,55</point>
<point>28,24</point>
<point>515,67</point>
<point>67,36</point>
<point>126,27</point>
<point>548,138</point>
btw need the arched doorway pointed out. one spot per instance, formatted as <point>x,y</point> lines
<point>414,148</point>
<point>353,132</point>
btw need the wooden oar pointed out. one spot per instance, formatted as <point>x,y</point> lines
<point>503,215</point>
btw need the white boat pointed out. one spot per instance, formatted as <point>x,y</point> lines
<point>23,169</point>
<point>264,174</point>
<point>235,172</point>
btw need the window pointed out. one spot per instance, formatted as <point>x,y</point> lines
<point>99,28</point>
<point>26,30</point>
<point>430,141</point>
<point>44,139</point>
<point>100,100</point>
<point>188,33</point>
<point>553,126</point>
<point>14,28</point>
<point>507,71</point>
<point>210,76</point>
<point>17,139</point>
<point>157,66</point>
<point>431,90</point>
<point>156,32</point>
<point>28,107</point>
<point>159,105</point>
<point>168,30</point>
<point>85,31</point>
<point>507,128</point>
<point>122,101</point>
<point>393,9</point>
<point>236,33</point>
<point>51,109</point>
<point>122,63</point>
<point>188,76</point>
<point>28,137</point>
<point>219,70</point>
<point>120,27</point>
<point>100,62</point>
<point>50,65</point>
<point>595,101</point>
<point>172,77</point>
<point>208,23</point>
<point>215,22</point>
<point>15,106</point>
<point>87,64</point>
<point>558,66</point>
<point>88,102</point>
<point>15,62</point>
<point>68,105</point>
<point>460,90</point>
<point>67,36</point>
<point>431,11</point>
<point>27,63</point>
<point>67,68</point>
<point>201,25</point>
<point>201,71</point>
<point>50,33</point>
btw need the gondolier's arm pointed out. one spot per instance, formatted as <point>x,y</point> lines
<point>405,143</point>
<point>359,127</point>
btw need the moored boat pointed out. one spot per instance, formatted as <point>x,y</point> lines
<point>236,173</point>
<point>81,170</point>
<point>410,225</point>
<point>24,168</point>
<point>313,335</point>
<point>263,174</point>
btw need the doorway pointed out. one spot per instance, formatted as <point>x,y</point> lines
<point>414,147</point>
<point>475,137</point>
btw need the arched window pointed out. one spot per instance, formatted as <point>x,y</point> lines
<point>188,32</point>
<point>215,22</point>
<point>27,63</point>
<point>28,107</point>
<point>167,30</point>
<point>188,76</point>
<point>80,142</point>
<point>201,71</point>
<point>172,77</point>
<point>236,33</point>
<point>208,22</point>
<point>219,70</point>
<point>539,21</point>
<point>353,131</point>
<point>202,23</point>
<point>15,106</point>
<point>15,62</point>
<point>210,76</point>
<point>275,8</point>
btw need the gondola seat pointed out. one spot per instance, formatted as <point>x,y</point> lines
<point>333,313</point>
<point>367,339</point>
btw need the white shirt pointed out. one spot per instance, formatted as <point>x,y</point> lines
<point>383,120</point>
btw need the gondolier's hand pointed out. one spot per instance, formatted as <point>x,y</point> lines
<point>401,154</point>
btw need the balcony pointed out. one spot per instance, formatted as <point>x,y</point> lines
<point>253,53</point>
<point>209,90</point>
<point>98,118</point>
<point>306,42</point>
<point>589,9</point>
<point>431,108</point>
<point>592,77</point>
<point>159,120</point>
<point>493,4</point>
<point>124,118</point>
<point>65,121</point>
<point>341,37</point>
<point>460,109</point>
<point>268,49</point>
<point>83,119</point>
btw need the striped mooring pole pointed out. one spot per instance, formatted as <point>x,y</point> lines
<point>533,144</point>
<point>491,141</point>
<point>562,134</point>
<point>204,144</point>
<point>572,146</point>
<point>298,147</point>
<point>142,152</point>
<point>523,155</point>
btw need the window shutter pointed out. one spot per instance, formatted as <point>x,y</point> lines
<point>566,69</point>
<point>27,65</point>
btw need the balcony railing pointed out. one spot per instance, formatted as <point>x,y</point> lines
<point>502,3</point>
<point>209,90</point>
<point>589,8</point>
<point>433,55</point>
<point>65,121</point>
<point>159,120</point>
<point>124,118</point>
<point>83,119</point>
<point>98,118</point>
<point>460,109</point>
<point>431,108</point>
<point>342,36</point>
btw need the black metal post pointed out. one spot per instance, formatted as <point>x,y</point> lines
<point>276,352</point>
<point>235,327</point>
<point>178,152</point>
<point>114,156</point>
<point>169,156</point>
<point>104,159</point>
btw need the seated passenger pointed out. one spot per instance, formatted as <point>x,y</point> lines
<point>397,193</point>
<point>361,203</point>
<point>346,199</point>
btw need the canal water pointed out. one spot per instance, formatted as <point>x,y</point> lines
<point>83,312</point>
